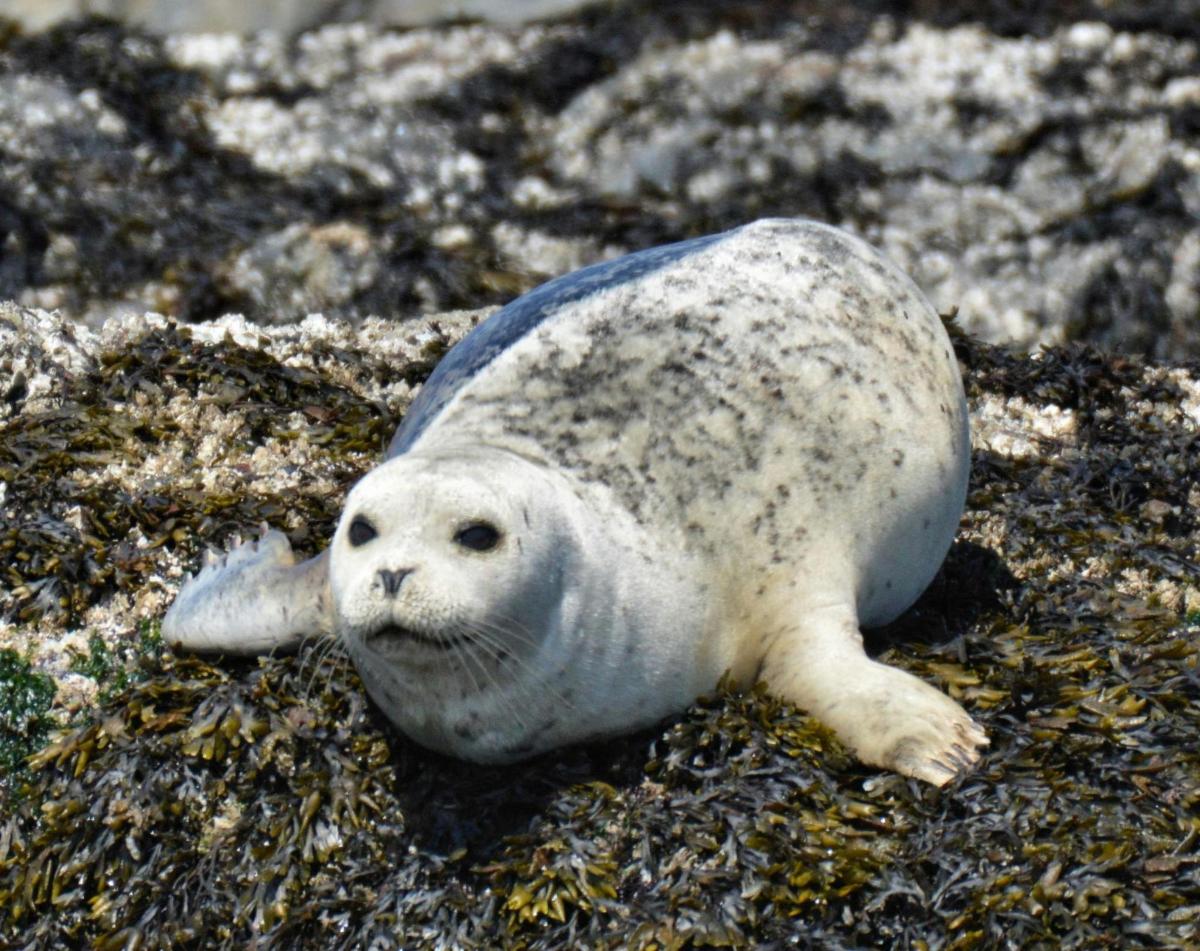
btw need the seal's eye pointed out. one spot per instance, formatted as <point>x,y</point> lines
<point>479,536</point>
<point>361,531</point>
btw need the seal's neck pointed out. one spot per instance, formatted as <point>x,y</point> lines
<point>634,626</point>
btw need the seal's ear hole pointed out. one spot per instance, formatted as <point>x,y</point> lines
<point>478,536</point>
<point>361,531</point>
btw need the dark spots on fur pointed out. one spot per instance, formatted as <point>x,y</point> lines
<point>805,396</point>
<point>464,732</point>
<point>888,584</point>
<point>925,523</point>
<point>546,727</point>
<point>892,492</point>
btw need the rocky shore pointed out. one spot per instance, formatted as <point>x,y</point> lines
<point>233,804</point>
<point>232,260</point>
<point>1039,173</point>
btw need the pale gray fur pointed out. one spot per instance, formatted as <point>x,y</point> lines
<point>721,455</point>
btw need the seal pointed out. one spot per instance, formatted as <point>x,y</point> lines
<point>722,455</point>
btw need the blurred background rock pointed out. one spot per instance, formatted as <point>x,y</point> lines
<point>1034,164</point>
<point>239,16</point>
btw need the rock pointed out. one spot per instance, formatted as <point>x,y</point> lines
<point>302,270</point>
<point>1067,619</point>
<point>237,16</point>
<point>1043,184</point>
<point>40,354</point>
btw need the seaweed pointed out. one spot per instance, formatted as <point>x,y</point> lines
<point>81,537</point>
<point>269,803</point>
<point>26,697</point>
<point>115,668</point>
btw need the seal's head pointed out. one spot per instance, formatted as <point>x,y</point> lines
<point>453,575</point>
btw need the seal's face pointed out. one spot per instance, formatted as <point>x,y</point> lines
<point>449,572</point>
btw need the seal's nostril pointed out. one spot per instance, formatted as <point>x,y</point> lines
<point>391,580</point>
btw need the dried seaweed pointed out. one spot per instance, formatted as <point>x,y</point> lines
<point>57,566</point>
<point>269,803</point>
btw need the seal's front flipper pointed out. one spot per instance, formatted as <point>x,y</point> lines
<point>887,716</point>
<point>252,600</point>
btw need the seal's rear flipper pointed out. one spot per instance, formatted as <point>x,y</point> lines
<point>887,716</point>
<point>253,600</point>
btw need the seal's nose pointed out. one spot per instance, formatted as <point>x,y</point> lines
<point>391,580</point>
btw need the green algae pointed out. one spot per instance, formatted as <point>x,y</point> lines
<point>115,669</point>
<point>26,721</point>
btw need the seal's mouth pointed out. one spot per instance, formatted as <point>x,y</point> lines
<point>392,635</point>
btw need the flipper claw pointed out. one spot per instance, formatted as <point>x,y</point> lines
<point>251,599</point>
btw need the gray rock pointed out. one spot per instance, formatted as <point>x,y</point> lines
<point>1045,183</point>
<point>303,270</point>
<point>238,16</point>
<point>39,353</point>
<point>969,157</point>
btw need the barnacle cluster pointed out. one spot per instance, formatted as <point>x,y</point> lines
<point>267,803</point>
<point>93,535</point>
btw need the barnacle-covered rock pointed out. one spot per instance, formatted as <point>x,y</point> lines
<point>267,803</point>
<point>1034,165</point>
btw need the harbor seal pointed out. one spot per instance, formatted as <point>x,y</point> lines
<point>722,455</point>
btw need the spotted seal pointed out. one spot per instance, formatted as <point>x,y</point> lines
<point>719,455</point>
